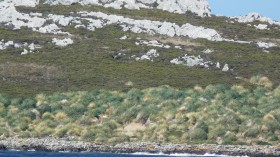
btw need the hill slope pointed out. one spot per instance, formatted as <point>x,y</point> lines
<point>56,45</point>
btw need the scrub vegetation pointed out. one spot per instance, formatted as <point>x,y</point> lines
<point>219,114</point>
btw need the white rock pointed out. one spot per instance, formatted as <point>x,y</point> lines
<point>154,27</point>
<point>51,28</point>
<point>12,44</point>
<point>10,16</point>
<point>178,47</point>
<point>60,19</point>
<point>24,52</point>
<point>266,45</point>
<point>80,26</point>
<point>218,65</point>
<point>207,51</point>
<point>190,61</point>
<point>9,43</point>
<point>63,42</point>
<point>166,46</point>
<point>251,17</point>
<point>150,55</point>
<point>199,7</point>
<point>123,38</point>
<point>261,26</point>
<point>225,68</point>
<point>32,46</point>
<point>27,3</point>
<point>35,14</point>
<point>17,45</point>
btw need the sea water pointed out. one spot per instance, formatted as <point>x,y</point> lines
<point>68,154</point>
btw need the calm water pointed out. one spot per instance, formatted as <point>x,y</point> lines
<point>44,154</point>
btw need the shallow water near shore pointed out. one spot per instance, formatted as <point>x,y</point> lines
<point>68,154</point>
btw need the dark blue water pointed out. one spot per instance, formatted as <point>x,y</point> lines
<point>46,154</point>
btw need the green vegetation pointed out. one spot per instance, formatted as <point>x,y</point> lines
<point>215,114</point>
<point>89,63</point>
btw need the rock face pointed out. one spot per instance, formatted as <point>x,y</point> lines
<point>199,7</point>
<point>251,17</point>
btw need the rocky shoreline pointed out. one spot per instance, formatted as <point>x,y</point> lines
<point>56,145</point>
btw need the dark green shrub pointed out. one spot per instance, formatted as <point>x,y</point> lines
<point>89,135</point>
<point>252,132</point>
<point>203,126</point>
<point>28,103</point>
<point>198,134</point>
<point>91,97</point>
<point>56,107</point>
<point>272,125</point>
<point>262,143</point>
<point>61,132</point>
<point>5,100</point>
<point>135,95</point>
<point>75,111</point>
<point>217,131</point>
<point>43,108</point>
<point>23,126</point>
<point>230,138</point>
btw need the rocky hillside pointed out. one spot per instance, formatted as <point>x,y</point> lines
<point>73,45</point>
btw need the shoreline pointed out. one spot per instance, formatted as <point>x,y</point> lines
<point>58,145</point>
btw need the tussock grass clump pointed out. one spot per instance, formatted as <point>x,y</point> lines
<point>215,114</point>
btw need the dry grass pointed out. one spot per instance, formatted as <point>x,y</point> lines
<point>132,128</point>
<point>29,71</point>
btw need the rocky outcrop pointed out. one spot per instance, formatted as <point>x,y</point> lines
<point>55,144</point>
<point>251,17</point>
<point>9,16</point>
<point>199,7</point>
